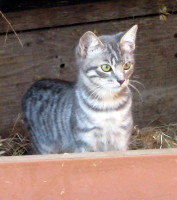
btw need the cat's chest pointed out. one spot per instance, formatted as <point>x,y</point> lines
<point>109,121</point>
<point>106,133</point>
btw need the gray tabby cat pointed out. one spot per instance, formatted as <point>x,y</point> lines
<point>93,114</point>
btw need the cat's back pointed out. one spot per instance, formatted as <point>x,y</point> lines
<point>47,106</point>
<point>47,88</point>
<point>46,94</point>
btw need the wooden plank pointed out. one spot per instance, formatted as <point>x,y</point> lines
<point>110,176</point>
<point>44,51</point>
<point>88,12</point>
<point>88,155</point>
<point>19,5</point>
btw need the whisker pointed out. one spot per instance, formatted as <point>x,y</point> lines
<point>94,93</point>
<point>137,91</point>
<point>138,83</point>
<point>136,76</point>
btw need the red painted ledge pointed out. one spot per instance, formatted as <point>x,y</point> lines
<point>131,175</point>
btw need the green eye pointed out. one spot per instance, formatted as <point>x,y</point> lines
<point>127,65</point>
<point>106,68</point>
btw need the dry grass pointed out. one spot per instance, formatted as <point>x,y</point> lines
<point>164,136</point>
<point>9,25</point>
<point>17,143</point>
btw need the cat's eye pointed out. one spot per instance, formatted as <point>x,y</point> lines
<point>127,65</point>
<point>106,68</point>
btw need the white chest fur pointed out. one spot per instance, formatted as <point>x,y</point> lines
<point>109,129</point>
<point>112,132</point>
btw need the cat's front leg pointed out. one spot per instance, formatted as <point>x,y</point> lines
<point>123,142</point>
<point>82,150</point>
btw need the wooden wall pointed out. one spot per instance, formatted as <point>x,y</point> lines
<point>50,35</point>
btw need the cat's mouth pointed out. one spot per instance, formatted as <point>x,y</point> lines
<point>116,87</point>
<point>125,84</point>
<point>121,85</point>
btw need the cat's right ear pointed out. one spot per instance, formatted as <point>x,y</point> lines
<point>127,42</point>
<point>89,43</point>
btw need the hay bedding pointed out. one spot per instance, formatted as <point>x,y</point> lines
<point>14,145</point>
<point>158,137</point>
<point>17,143</point>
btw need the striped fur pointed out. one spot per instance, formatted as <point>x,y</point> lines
<point>93,114</point>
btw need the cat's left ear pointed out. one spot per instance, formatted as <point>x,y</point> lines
<point>127,42</point>
<point>89,43</point>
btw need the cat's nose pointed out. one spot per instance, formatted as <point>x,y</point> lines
<point>120,80</point>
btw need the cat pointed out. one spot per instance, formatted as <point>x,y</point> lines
<point>93,114</point>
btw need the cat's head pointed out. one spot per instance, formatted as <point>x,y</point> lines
<point>107,61</point>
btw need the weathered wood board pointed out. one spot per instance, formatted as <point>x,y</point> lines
<point>45,50</point>
<point>82,13</point>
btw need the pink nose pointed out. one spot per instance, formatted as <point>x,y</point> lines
<point>120,80</point>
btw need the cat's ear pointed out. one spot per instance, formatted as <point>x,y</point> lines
<point>89,43</point>
<point>127,42</point>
